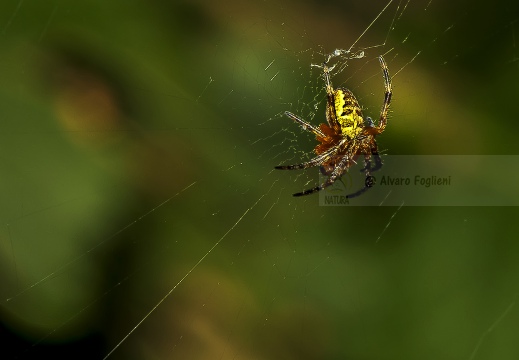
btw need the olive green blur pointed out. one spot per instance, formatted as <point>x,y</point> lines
<point>138,141</point>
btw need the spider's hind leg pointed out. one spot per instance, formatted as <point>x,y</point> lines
<point>367,159</point>
<point>368,166</point>
<point>304,125</point>
<point>369,180</point>
<point>338,170</point>
<point>368,183</point>
<point>326,170</point>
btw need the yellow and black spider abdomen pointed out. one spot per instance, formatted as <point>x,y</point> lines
<point>348,112</point>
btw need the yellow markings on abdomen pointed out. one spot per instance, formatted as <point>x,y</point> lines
<point>348,112</point>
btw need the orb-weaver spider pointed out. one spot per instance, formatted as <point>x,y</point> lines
<point>346,136</point>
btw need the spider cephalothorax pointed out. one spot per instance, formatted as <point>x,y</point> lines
<point>346,135</point>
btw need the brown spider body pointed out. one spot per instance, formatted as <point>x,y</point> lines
<point>346,136</point>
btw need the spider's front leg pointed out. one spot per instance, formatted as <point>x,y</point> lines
<point>387,97</point>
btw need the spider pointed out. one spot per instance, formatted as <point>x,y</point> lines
<point>346,136</point>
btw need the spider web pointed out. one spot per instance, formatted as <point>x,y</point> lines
<point>142,216</point>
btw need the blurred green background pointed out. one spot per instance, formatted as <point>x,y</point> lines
<point>138,141</point>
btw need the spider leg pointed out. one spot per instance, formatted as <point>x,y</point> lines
<point>378,163</point>
<point>341,167</point>
<point>339,171</point>
<point>331,116</point>
<point>369,180</point>
<point>368,183</point>
<point>387,97</point>
<point>316,161</point>
<point>304,124</point>
<point>367,159</point>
